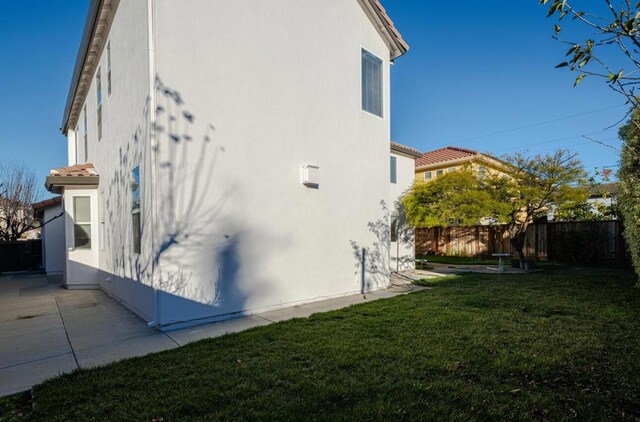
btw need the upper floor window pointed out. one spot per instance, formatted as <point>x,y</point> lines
<point>451,169</point>
<point>482,172</point>
<point>99,101</point>
<point>85,134</point>
<point>394,170</point>
<point>439,173</point>
<point>109,68</point>
<point>428,175</point>
<point>372,101</point>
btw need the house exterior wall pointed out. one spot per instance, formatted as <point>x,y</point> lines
<point>53,241</point>
<point>125,144</point>
<point>219,110</point>
<point>403,250</point>
<point>269,91</point>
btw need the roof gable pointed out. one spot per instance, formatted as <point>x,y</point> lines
<point>444,155</point>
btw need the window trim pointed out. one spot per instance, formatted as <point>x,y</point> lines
<point>430,173</point>
<point>382,84</point>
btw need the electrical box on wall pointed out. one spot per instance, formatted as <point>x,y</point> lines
<point>310,175</point>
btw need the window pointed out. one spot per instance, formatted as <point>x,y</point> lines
<point>428,175</point>
<point>394,229</point>
<point>84,134</point>
<point>99,101</point>
<point>82,222</point>
<point>77,144</point>
<point>394,170</point>
<point>135,209</point>
<point>439,173</point>
<point>451,169</point>
<point>482,172</point>
<point>371,84</point>
<point>109,68</point>
<point>101,211</point>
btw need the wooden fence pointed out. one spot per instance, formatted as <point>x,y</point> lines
<point>581,241</point>
<point>21,255</point>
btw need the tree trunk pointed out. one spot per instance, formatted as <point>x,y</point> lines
<point>518,236</point>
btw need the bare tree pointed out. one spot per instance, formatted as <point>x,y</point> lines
<point>18,190</point>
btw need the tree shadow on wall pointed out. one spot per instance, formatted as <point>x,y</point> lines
<point>372,262</point>
<point>183,233</point>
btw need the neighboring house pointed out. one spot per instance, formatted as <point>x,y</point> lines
<point>228,156</point>
<point>48,212</point>
<point>436,163</point>
<point>402,165</point>
<point>12,211</point>
<point>603,196</point>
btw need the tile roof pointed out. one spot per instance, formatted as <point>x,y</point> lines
<point>443,155</point>
<point>405,149</point>
<point>79,170</point>
<point>397,36</point>
<point>47,203</point>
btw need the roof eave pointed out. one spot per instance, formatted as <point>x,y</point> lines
<point>56,184</point>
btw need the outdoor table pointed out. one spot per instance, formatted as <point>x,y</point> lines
<point>501,257</point>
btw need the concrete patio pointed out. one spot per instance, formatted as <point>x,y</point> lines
<point>46,330</point>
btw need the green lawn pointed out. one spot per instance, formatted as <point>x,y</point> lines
<point>559,344</point>
<point>459,260</point>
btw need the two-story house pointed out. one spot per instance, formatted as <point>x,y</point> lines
<point>436,163</point>
<point>227,156</point>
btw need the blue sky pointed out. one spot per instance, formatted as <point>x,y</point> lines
<point>475,71</point>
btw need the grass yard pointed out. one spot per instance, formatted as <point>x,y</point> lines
<point>459,260</point>
<point>559,344</point>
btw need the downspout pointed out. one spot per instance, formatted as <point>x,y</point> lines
<point>153,160</point>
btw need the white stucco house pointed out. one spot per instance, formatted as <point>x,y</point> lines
<point>403,164</point>
<point>228,156</point>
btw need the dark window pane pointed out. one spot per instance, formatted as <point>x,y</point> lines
<point>82,236</point>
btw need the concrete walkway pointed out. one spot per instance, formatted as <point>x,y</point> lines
<point>46,330</point>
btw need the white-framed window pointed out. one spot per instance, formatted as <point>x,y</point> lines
<point>99,102</point>
<point>85,132</point>
<point>428,175</point>
<point>101,212</point>
<point>109,68</point>
<point>135,210</point>
<point>439,173</point>
<point>372,84</point>
<point>394,170</point>
<point>482,172</point>
<point>451,169</point>
<point>82,222</point>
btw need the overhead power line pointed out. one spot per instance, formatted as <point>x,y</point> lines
<point>540,123</point>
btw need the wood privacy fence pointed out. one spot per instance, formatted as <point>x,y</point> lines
<point>577,242</point>
<point>24,255</point>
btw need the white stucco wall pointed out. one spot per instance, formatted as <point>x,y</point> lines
<point>125,144</point>
<point>280,83</point>
<point>247,92</point>
<point>53,241</point>
<point>403,251</point>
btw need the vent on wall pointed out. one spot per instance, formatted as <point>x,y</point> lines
<point>310,175</point>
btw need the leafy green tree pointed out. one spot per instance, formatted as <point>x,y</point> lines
<point>455,198</point>
<point>629,186</point>
<point>516,198</point>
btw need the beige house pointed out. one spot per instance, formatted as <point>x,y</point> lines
<point>438,162</point>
